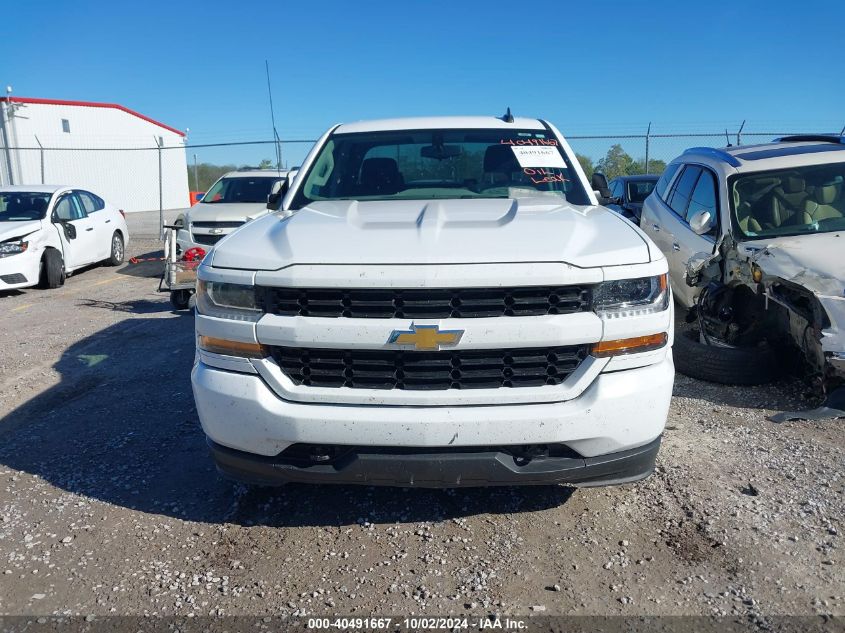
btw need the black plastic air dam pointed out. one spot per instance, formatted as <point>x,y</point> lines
<point>440,470</point>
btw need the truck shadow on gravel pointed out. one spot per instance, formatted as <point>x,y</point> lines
<point>135,306</point>
<point>121,428</point>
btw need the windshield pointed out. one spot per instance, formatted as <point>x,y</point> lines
<point>437,164</point>
<point>639,190</point>
<point>790,201</point>
<point>243,189</point>
<point>17,206</point>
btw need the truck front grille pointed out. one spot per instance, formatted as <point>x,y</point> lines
<point>207,240</point>
<point>410,370</point>
<point>217,225</point>
<point>424,303</point>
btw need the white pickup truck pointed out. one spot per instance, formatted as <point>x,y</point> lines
<point>437,302</point>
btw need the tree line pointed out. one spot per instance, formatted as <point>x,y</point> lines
<point>617,162</point>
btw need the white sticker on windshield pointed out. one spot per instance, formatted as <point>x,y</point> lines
<point>538,157</point>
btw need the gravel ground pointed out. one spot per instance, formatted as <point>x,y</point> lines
<point>109,503</point>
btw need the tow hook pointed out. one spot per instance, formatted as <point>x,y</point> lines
<point>529,453</point>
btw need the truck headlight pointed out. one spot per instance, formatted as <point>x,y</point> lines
<point>13,247</point>
<point>227,300</point>
<point>631,297</point>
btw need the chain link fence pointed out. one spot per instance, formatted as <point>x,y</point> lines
<point>161,178</point>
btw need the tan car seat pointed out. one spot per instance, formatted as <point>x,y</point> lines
<point>743,215</point>
<point>821,206</point>
<point>792,192</point>
<point>785,204</point>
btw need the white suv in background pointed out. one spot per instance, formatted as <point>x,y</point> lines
<point>438,302</point>
<point>237,197</point>
<point>757,231</point>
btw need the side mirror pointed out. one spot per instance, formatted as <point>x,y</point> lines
<point>701,222</point>
<point>599,185</point>
<point>274,200</point>
<point>70,230</point>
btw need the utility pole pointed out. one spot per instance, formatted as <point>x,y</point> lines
<point>647,138</point>
<point>159,143</point>
<point>7,113</point>
<point>41,151</point>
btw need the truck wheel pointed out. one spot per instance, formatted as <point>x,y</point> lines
<point>117,250</point>
<point>723,365</point>
<point>52,269</point>
<point>180,299</point>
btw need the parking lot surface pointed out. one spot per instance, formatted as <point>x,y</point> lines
<point>110,504</point>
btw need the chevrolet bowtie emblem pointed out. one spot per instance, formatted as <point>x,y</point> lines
<point>216,231</point>
<point>425,337</point>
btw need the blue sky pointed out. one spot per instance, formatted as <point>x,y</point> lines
<point>590,68</point>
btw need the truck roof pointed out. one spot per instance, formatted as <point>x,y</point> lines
<point>252,173</point>
<point>441,122</point>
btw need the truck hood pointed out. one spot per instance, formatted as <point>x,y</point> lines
<point>226,211</point>
<point>816,262</point>
<point>434,232</point>
<point>9,230</point>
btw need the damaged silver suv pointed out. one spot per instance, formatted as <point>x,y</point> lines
<point>755,238</point>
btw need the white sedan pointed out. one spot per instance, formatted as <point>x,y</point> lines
<point>47,232</point>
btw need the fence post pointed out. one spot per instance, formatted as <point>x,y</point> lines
<point>647,135</point>
<point>41,151</point>
<point>160,192</point>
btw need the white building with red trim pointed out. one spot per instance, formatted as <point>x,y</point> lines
<point>104,147</point>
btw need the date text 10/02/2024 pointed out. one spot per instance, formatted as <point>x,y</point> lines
<point>418,623</point>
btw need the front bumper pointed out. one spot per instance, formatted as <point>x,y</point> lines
<point>427,469</point>
<point>618,412</point>
<point>19,271</point>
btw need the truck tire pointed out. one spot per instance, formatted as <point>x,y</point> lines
<point>118,251</point>
<point>52,269</point>
<point>180,299</point>
<point>724,365</point>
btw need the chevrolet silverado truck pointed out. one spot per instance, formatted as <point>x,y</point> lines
<point>435,302</point>
<point>233,200</point>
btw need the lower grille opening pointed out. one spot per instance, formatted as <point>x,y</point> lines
<point>304,455</point>
<point>415,371</point>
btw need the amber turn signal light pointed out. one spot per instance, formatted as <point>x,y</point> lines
<point>630,345</point>
<point>232,348</point>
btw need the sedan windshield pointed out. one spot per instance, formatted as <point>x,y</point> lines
<point>439,164</point>
<point>792,201</point>
<point>18,206</point>
<point>241,190</point>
